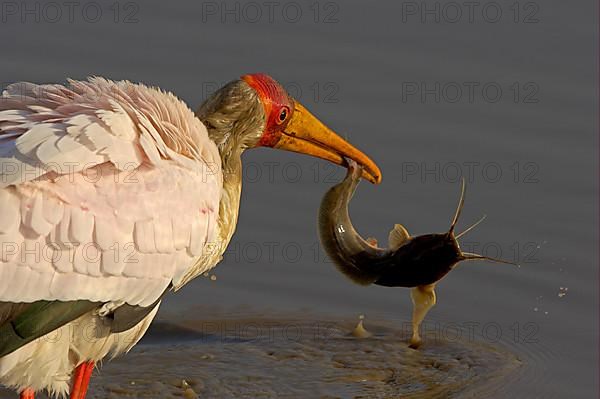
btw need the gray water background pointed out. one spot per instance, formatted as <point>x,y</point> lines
<point>352,65</point>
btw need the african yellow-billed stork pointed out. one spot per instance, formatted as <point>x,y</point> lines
<point>113,193</point>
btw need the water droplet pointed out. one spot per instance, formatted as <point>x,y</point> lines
<point>360,331</point>
<point>562,291</point>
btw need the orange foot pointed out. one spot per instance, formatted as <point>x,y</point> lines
<point>27,393</point>
<point>81,380</point>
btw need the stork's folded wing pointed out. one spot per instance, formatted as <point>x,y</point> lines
<point>100,200</point>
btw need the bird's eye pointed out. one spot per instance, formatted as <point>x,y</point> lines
<point>283,114</point>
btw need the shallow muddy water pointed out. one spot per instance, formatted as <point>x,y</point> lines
<point>260,357</point>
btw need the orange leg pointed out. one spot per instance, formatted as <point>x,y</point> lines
<point>27,394</point>
<point>81,380</point>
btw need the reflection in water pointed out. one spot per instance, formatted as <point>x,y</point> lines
<point>264,357</point>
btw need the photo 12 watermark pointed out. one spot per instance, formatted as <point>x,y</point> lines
<point>270,172</point>
<point>294,252</point>
<point>469,92</point>
<point>325,92</point>
<point>470,12</point>
<point>271,12</point>
<point>518,172</point>
<point>71,12</point>
<point>470,331</point>
<point>60,250</point>
<point>272,332</point>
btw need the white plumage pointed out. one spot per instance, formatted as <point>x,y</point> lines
<point>109,191</point>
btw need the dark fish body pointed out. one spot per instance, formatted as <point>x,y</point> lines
<point>417,262</point>
<point>351,254</point>
<point>408,262</point>
<point>420,261</point>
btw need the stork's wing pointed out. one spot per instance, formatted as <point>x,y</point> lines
<point>21,323</point>
<point>29,321</point>
<point>108,192</point>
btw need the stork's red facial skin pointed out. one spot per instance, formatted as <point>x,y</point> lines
<point>278,106</point>
<point>289,126</point>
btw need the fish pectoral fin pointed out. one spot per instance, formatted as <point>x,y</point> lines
<point>372,241</point>
<point>398,236</point>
